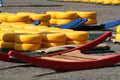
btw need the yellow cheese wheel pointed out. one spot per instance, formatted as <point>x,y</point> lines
<point>43,29</point>
<point>53,13</point>
<point>77,35</point>
<point>73,12</point>
<point>4,16</point>
<point>116,2</point>
<point>8,37</point>
<point>38,26</point>
<point>93,1</point>
<point>28,38</point>
<point>118,29</point>
<point>47,23</point>
<point>27,25</point>
<point>33,32</point>
<point>9,29</point>
<point>41,17</point>
<point>99,1</point>
<point>11,23</point>
<point>55,37</point>
<point>19,26</point>
<point>66,30</point>
<point>91,21</point>
<point>53,29</point>
<point>26,47</point>
<point>78,0</point>
<point>53,21</point>
<point>30,28</point>
<point>6,45</point>
<point>25,13</point>
<point>117,37</point>
<point>86,0</point>
<point>48,44</point>
<point>61,30</point>
<point>17,18</point>
<point>75,42</point>
<point>5,24</point>
<point>107,2</point>
<point>89,15</point>
<point>17,30</point>
<point>63,21</point>
<point>66,15</point>
<point>6,28</point>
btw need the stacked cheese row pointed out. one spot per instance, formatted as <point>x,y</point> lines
<point>90,15</point>
<point>117,36</point>
<point>57,37</point>
<point>25,17</point>
<point>27,36</point>
<point>44,18</point>
<point>60,18</point>
<point>110,2</point>
<point>52,17</point>
<point>50,39</point>
<point>7,40</point>
<point>74,37</point>
<point>27,42</point>
<point>77,37</point>
<point>20,36</point>
<point>21,41</point>
<point>12,17</point>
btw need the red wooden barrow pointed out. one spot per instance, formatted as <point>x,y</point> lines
<point>72,59</point>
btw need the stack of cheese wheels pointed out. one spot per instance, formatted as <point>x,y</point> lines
<point>107,1</point>
<point>26,14</point>
<point>99,1</point>
<point>77,37</point>
<point>116,2</point>
<point>50,39</point>
<point>24,27</point>
<point>117,36</point>
<point>43,29</point>
<point>27,42</point>
<point>3,16</point>
<point>86,1</point>
<point>7,40</point>
<point>65,17</point>
<point>93,1</point>
<point>53,14</point>
<point>44,19</point>
<point>6,28</point>
<point>17,18</point>
<point>90,15</point>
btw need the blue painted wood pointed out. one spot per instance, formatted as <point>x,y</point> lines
<point>1,3</point>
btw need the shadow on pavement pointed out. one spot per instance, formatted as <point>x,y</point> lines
<point>25,65</point>
<point>57,71</point>
<point>32,5</point>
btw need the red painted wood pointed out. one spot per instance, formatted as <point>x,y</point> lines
<point>67,65</point>
<point>84,61</point>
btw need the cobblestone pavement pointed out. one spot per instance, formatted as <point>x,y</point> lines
<point>15,71</point>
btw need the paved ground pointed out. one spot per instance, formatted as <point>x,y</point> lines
<point>13,71</point>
